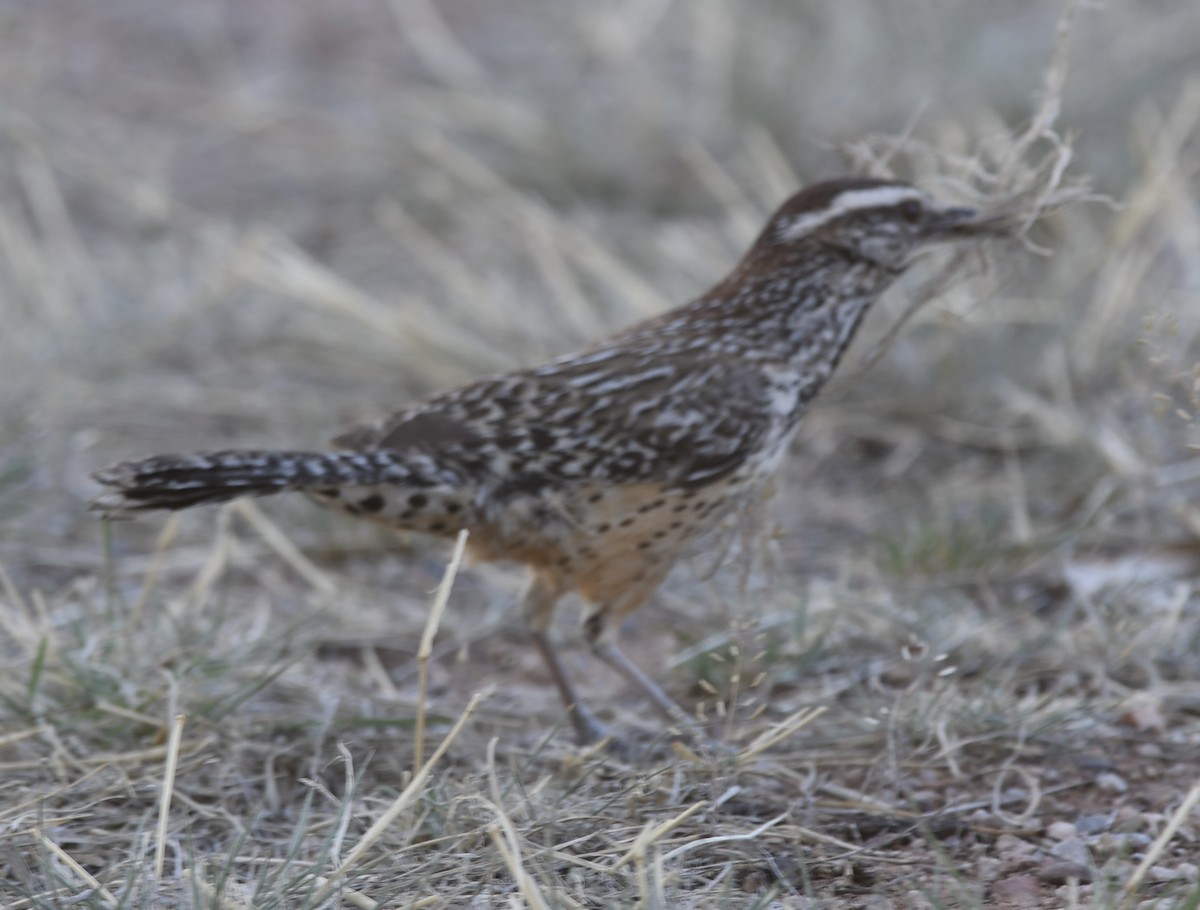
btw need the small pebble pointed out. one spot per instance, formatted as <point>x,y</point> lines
<point>1060,830</point>
<point>1092,824</point>
<point>987,868</point>
<point>1014,846</point>
<point>981,817</point>
<point>1129,819</point>
<point>1071,850</point>
<point>926,799</point>
<point>916,900</point>
<point>1023,890</point>
<point>1111,783</point>
<point>1059,873</point>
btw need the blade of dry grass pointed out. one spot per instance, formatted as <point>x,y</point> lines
<point>286,550</point>
<point>1177,820</point>
<point>651,834</point>
<point>778,732</point>
<point>165,537</point>
<point>168,786</point>
<point>401,803</point>
<point>722,839</point>
<point>441,598</point>
<point>84,876</point>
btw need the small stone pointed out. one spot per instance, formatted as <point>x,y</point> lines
<point>1014,846</point>
<point>1129,819</point>
<point>1060,830</point>
<point>1059,873</point>
<point>987,868</point>
<point>1016,855</point>
<point>1111,783</point>
<point>1023,890</point>
<point>1071,850</point>
<point>1189,871</point>
<point>1148,750</point>
<point>1088,825</point>
<point>926,799</point>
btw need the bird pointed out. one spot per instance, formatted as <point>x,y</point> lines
<point>599,469</point>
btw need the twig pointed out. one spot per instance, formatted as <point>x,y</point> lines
<point>1160,843</point>
<point>423,652</point>
<point>168,787</point>
<point>401,803</point>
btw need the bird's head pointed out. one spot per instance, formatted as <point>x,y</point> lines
<point>881,222</point>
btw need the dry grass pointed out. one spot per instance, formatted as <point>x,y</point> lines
<point>972,617</point>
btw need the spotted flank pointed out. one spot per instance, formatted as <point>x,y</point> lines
<point>441,511</point>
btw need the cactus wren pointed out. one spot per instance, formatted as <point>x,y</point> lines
<point>598,468</point>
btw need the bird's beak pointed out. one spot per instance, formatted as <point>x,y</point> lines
<point>952,223</point>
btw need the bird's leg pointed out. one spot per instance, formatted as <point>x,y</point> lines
<point>538,606</point>
<point>608,652</point>
<point>600,630</point>
<point>587,728</point>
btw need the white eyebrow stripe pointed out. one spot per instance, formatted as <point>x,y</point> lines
<point>849,201</point>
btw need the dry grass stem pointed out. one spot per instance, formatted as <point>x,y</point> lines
<point>401,803</point>
<point>722,839</point>
<point>161,546</point>
<point>284,548</point>
<point>651,834</point>
<point>441,598</point>
<point>1031,785</point>
<point>168,787</point>
<point>360,901</point>
<point>779,732</point>
<point>504,838</point>
<point>69,861</point>
<point>1154,854</point>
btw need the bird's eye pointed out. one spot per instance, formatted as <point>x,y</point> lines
<point>911,210</point>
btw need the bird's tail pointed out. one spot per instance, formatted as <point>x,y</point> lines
<point>180,481</point>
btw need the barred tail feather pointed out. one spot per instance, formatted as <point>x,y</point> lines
<point>180,481</point>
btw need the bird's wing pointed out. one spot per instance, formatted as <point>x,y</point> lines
<point>616,420</point>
